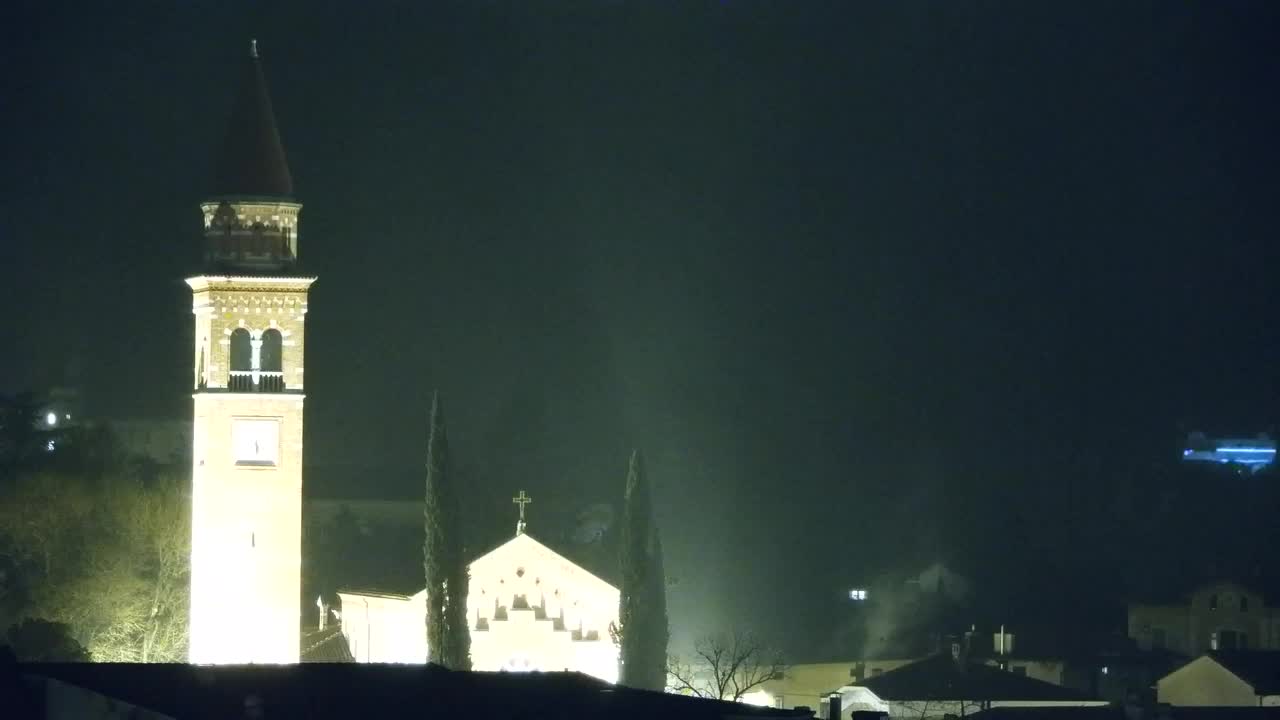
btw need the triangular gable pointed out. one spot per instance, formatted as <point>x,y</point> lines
<point>525,544</point>
<point>1204,681</point>
<point>1259,669</point>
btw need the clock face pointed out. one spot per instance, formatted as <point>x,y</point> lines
<point>256,441</point>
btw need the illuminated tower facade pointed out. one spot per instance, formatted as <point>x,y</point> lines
<point>250,305</point>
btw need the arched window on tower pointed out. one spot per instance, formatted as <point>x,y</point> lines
<point>241,379</point>
<point>272,359</point>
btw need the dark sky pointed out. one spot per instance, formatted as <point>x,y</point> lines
<point>866,281</point>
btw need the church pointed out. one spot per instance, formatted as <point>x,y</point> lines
<point>530,608</point>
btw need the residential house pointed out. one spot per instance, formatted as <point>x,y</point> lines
<point>1217,616</point>
<point>1237,678</point>
<point>950,685</point>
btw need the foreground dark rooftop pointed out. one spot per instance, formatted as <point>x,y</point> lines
<point>360,690</point>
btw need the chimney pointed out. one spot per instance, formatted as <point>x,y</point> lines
<point>1002,642</point>
<point>833,706</point>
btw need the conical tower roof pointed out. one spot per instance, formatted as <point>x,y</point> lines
<point>252,161</point>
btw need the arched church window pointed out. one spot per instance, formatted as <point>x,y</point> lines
<point>225,218</point>
<point>272,350</point>
<point>241,361</point>
<point>241,351</point>
<point>272,354</point>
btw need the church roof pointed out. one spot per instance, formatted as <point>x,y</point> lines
<point>525,539</point>
<point>325,646</point>
<point>402,581</point>
<point>251,161</point>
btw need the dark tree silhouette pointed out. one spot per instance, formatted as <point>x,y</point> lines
<point>642,614</point>
<point>35,640</point>
<point>445,568</point>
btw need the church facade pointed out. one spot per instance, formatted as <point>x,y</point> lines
<point>250,305</point>
<point>528,607</point>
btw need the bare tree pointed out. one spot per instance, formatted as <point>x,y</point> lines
<point>110,559</point>
<point>725,666</point>
<point>929,709</point>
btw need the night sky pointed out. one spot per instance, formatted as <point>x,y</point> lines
<point>869,283</point>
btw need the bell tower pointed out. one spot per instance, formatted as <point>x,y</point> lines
<point>250,305</point>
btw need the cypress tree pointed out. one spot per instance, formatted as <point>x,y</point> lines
<point>642,609</point>
<point>443,564</point>
<point>660,631</point>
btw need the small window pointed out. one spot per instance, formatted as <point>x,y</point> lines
<point>1213,602</point>
<point>1228,640</point>
<point>1244,604</point>
<point>256,441</point>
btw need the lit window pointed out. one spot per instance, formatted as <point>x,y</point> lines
<point>49,446</point>
<point>857,594</point>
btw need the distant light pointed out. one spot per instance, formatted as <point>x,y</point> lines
<point>759,698</point>
<point>49,446</point>
<point>1267,450</point>
<point>1186,452</point>
<point>1104,670</point>
<point>68,417</point>
<point>51,419</point>
<point>858,594</point>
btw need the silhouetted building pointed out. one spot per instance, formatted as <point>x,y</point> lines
<point>1218,616</point>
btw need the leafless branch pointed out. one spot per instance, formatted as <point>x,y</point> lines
<point>725,666</point>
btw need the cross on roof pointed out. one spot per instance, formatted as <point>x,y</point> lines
<point>521,500</point>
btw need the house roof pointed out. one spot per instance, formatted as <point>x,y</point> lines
<point>361,690</point>
<point>1120,712</point>
<point>1259,668</point>
<point>941,677</point>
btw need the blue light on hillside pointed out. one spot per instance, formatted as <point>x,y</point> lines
<point>1252,453</point>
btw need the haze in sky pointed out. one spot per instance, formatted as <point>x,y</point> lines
<point>872,285</point>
